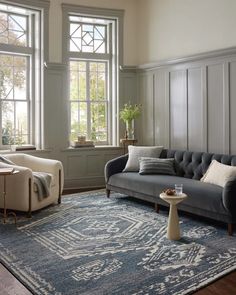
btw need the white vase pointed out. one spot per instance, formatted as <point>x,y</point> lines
<point>129,129</point>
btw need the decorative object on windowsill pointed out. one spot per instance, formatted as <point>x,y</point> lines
<point>23,147</point>
<point>128,114</point>
<point>82,142</point>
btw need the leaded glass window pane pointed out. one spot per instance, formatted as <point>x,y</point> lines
<point>13,29</point>
<point>88,38</point>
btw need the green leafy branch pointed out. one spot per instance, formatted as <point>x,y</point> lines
<point>130,112</point>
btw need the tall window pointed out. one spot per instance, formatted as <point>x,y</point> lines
<point>92,55</point>
<point>20,74</point>
<point>88,99</point>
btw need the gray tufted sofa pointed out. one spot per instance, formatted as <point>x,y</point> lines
<point>205,199</point>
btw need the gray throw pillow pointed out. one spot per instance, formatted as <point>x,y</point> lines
<point>156,166</point>
<point>135,152</point>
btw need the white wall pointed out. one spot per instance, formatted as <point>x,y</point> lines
<point>55,26</point>
<point>175,28</point>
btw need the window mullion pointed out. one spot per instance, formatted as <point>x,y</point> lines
<point>88,99</point>
<point>91,56</point>
<point>30,126</point>
<point>1,120</point>
<point>15,49</point>
<point>14,124</point>
<point>31,88</point>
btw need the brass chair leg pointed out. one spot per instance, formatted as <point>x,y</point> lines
<point>59,195</point>
<point>30,199</point>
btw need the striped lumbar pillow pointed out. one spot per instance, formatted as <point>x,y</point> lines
<point>156,166</point>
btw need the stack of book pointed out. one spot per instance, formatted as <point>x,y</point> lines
<point>82,142</point>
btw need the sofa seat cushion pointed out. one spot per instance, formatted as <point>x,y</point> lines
<point>200,195</point>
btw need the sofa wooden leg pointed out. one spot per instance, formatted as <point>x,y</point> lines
<point>108,193</point>
<point>157,208</point>
<point>230,229</point>
<point>59,195</point>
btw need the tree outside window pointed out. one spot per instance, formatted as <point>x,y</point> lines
<point>20,33</point>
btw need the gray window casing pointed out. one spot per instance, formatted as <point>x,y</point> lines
<point>116,15</point>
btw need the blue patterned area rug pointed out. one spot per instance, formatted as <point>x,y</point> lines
<point>95,246</point>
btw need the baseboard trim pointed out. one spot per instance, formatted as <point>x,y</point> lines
<point>73,190</point>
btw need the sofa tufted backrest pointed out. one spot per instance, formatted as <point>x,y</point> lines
<point>194,164</point>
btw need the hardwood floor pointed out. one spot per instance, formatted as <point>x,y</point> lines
<point>223,286</point>
<point>9,285</point>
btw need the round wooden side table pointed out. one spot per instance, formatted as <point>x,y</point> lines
<point>173,231</point>
<point>7,172</point>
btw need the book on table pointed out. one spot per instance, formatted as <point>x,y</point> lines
<point>80,144</point>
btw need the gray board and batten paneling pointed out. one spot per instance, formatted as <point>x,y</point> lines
<point>190,103</point>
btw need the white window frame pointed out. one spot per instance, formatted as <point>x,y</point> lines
<point>88,101</point>
<point>37,54</point>
<point>116,60</point>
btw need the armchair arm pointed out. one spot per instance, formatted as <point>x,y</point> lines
<point>45,165</point>
<point>38,164</point>
<point>229,196</point>
<point>114,166</point>
<point>23,171</point>
<point>18,184</point>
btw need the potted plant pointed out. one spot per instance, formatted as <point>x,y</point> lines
<point>128,113</point>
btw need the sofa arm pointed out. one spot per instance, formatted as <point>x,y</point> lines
<point>229,196</point>
<point>114,166</point>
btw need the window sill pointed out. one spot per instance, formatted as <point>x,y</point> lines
<point>96,148</point>
<point>25,151</point>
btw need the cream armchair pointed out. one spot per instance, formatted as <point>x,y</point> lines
<point>21,192</point>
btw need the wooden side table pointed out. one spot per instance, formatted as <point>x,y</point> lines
<point>173,231</point>
<point>7,172</point>
<point>125,142</point>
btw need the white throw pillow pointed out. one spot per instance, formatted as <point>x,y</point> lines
<point>135,152</point>
<point>219,174</point>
